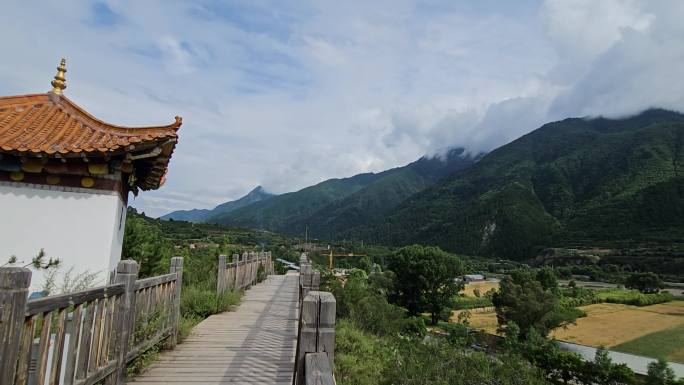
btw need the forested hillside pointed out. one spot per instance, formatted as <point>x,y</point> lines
<point>576,181</point>
<point>338,204</point>
<point>381,196</point>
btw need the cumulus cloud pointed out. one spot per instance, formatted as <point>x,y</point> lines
<point>288,94</point>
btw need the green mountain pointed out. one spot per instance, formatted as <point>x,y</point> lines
<point>384,194</point>
<point>572,182</point>
<point>258,194</point>
<point>341,203</point>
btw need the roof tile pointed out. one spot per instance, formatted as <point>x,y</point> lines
<point>50,124</point>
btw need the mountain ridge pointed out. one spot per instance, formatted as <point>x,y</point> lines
<point>257,194</point>
<point>569,182</point>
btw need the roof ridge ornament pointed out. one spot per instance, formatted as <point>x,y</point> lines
<point>59,84</point>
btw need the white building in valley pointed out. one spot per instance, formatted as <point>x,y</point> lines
<point>65,177</point>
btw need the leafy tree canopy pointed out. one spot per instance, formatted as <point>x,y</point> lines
<point>645,282</point>
<point>425,279</point>
<point>531,301</point>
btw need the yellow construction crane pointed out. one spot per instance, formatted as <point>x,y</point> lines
<point>332,255</point>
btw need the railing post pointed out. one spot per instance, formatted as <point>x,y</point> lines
<point>14,284</point>
<point>318,370</point>
<point>308,320</point>
<point>236,262</point>
<point>221,274</point>
<point>127,274</point>
<point>316,331</point>
<point>315,280</point>
<point>326,325</point>
<point>176,267</point>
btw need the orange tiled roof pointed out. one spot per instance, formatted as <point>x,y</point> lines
<point>50,124</point>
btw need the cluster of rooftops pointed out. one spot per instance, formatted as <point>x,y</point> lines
<point>48,139</point>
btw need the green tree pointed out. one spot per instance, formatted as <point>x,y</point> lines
<point>144,243</point>
<point>659,373</point>
<point>602,371</point>
<point>523,299</point>
<point>547,278</point>
<point>425,279</point>
<point>645,282</point>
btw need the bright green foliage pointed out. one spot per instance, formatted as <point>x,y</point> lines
<point>523,299</point>
<point>576,181</point>
<point>425,279</point>
<point>603,372</point>
<point>648,283</point>
<point>581,297</point>
<point>145,243</point>
<point>462,302</point>
<point>362,301</point>
<point>367,355</point>
<point>198,302</point>
<point>563,367</point>
<point>360,357</point>
<point>437,362</point>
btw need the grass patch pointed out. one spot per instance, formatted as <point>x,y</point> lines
<point>185,326</point>
<point>462,303</point>
<point>668,344</point>
<point>200,303</point>
<point>360,357</point>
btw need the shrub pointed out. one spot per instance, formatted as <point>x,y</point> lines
<point>633,297</point>
<point>261,273</point>
<point>463,303</point>
<point>185,326</point>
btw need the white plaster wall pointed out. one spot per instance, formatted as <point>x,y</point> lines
<point>80,228</point>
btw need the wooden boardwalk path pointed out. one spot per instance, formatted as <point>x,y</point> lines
<point>255,344</point>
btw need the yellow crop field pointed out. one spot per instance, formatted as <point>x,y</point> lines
<point>613,324</point>
<point>481,319</point>
<point>483,286</point>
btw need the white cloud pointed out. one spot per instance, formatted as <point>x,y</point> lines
<point>288,94</point>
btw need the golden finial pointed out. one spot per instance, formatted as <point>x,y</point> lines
<point>59,84</point>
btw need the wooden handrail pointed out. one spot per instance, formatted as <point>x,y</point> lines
<point>46,304</point>
<point>242,272</point>
<point>102,325</point>
<point>315,355</point>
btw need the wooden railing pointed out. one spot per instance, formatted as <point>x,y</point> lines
<point>242,272</point>
<point>315,356</point>
<point>85,337</point>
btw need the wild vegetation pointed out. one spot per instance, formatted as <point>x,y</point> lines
<point>380,342</point>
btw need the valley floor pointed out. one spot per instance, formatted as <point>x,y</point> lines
<point>652,331</point>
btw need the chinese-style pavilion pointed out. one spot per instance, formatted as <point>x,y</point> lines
<point>65,177</point>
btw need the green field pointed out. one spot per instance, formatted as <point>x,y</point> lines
<point>668,343</point>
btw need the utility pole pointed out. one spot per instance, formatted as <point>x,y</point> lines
<point>306,238</point>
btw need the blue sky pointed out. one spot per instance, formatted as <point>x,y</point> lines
<point>287,94</point>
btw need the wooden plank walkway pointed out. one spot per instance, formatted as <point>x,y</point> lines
<point>255,344</point>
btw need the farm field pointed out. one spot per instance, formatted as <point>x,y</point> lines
<point>613,324</point>
<point>668,343</point>
<point>483,286</point>
<point>480,318</point>
<point>652,331</point>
